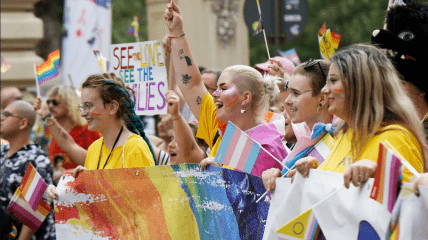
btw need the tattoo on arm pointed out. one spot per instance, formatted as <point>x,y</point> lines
<point>63,134</point>
<point>199,100</point>
<point>186,79</point>
<point>188,61</point>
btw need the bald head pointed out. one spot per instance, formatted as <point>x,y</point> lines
<point>24,110</point>
<point>8,95</point>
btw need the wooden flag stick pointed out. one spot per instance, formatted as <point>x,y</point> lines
<point>37,80</point>
<point>264,194</point>
<point>390,3</point>
<point>264,33</point>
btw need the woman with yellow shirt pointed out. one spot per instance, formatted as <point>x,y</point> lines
<point>108,108</point>
<point>363,89</point>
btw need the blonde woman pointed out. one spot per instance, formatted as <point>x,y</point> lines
<point>241,97</point>
<point>364,90</point>
<point>63,107</point>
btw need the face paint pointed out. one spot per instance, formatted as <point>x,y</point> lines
<point>338,92</point>
<point>230,96</point>
<point>95,115</point>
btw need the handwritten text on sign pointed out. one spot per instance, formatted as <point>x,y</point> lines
<point>141,65</point>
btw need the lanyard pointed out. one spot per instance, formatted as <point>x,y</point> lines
<point>101,151</point>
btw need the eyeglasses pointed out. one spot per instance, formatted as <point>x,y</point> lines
<point>7,114</point>
<point>310,62</point>
<point>85,107</point>
<point>55,102</point>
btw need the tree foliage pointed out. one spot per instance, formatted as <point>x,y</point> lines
<point>355,20</point>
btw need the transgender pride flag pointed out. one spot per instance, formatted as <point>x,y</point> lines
<point>238,150</point>
<point>387,178</point>
<point>32,187</point>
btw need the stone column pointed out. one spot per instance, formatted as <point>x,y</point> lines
<point>21,30</point>
<point>215,29</point>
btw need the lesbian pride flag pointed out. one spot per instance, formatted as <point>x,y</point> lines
<point>238,150</point>
<point>32,187</point>
<point>20,209</point>
<point>387,178</point>
<point>48,69</point>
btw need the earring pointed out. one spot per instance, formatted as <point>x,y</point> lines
<point>319,106</point>
<point>242,111</point>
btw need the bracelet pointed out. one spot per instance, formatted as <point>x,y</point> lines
<point>177,36</point>
<point>177,118</point>
<point>46,122</point>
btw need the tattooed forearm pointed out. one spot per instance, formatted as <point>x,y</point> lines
<point>63,134</point>
<point>199,100</point>
<point>186,79</point>
<point>181,54</point>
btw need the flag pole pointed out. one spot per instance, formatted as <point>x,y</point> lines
<point>264,33</point>
<point>390,3</point>
<point>37,80</point>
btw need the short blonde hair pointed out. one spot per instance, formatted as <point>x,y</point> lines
<point>374,95</point>
<point>262,88</point>
<point>70,97</point>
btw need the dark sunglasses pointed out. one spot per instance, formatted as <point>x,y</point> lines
<point>310,62</point>
<point>55,102</point>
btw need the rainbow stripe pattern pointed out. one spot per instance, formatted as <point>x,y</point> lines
<point>387,177</point>
<point>160,202</point>
<point>238,150</point>
<point>27,204</point>
<point>48,69</point>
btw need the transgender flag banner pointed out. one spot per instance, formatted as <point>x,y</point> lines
<point>238,150</point>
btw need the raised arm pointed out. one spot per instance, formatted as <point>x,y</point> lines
<point>61,136</point>
<point>183,135</point>
<point>186,71</point>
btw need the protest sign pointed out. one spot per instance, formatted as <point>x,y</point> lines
<point>141,66</point>
<point>161,202</point>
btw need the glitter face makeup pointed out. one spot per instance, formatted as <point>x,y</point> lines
<point>230,96</point>
<point>95,115</point>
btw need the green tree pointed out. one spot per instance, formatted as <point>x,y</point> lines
<point>354,20</point>
<point>122,17</point>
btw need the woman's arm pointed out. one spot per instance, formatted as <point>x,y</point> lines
<point>183,135</point>
<point>61,136</point>
<point>186,71</point>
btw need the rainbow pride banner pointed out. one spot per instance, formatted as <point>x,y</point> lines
<point>160,202</point>
<point>48,69</point>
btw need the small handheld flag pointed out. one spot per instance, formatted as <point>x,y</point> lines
<point>387,178</point>
<point>48,69</point>
<point>304,226</point>
<point>5,66</point>
<point>260,28</point>
<point>27,204</point>
<point>290,54</point>
<point>238,150</point>
<point>328,41</point>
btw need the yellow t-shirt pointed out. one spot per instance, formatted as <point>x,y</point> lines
<point>208,124</point>
<point>398,136</point>
<point>137,154</point>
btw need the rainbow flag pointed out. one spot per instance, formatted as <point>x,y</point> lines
<point>32,187</point>
<point>20,209</point>
<point>387,178</point>
<point>322,149</point>
<point>5,66</point>
<point>183,203</point>
<point>238,150</point>
<point>48,69</point>
<point>305,226</point>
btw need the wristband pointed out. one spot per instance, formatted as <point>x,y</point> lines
<point>47,117</point>
<point>177,118</point>
<point>177,36</point>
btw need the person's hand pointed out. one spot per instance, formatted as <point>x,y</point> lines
<point>173,100</point>
<point>40,107</point>
<point>276,68</point>
<point>208,161</point>
<point>359,172</point>
<point>304,164</point>
<point>422,180</point>
<point>51,193</point>
<point>77,170</point>
<point>269,176</point>
<point>173,19</point>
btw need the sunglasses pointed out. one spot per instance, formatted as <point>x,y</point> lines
<point>55,102</point>
<point>310,62</point>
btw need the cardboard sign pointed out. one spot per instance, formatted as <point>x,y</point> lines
<point>141,66</point>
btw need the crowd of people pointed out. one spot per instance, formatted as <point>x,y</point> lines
<point>359,95</point>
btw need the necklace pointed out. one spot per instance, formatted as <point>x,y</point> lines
<point>101,150</point>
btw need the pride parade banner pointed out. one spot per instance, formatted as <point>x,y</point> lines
<point>161,202</point>
<point>141,65</point>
